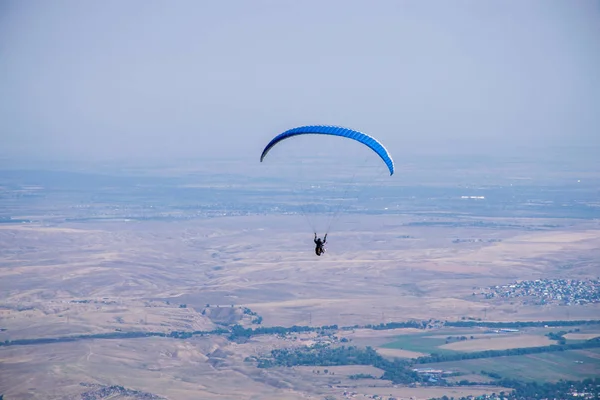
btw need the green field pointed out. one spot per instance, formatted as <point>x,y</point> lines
<point>543,367</point>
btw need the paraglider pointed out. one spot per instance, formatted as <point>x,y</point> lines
<point>320,244</point>
<point>341,132</point>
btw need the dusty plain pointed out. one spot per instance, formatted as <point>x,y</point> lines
<point>63,276</point>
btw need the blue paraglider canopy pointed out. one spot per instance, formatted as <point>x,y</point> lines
<point>360,137</point>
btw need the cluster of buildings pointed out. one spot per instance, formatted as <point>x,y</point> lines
<point>548,291</point>
<point>352,395</point>
<point>433,375</point>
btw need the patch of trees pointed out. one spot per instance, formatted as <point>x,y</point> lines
<point>470,322</point>
<point>559,336</point>
<point>248,311</point>
<point>556,335</point>
<point>560,389</point>
<point>519,324</point>
<point>491,374</point>
<point>398,371</point>
<point>396,325</point>
<point>111,335</point>
<point>238,331</point>
<point>456,339</point>
<point>100,392</point>
<point>257,318</point>
<point>549,390</point>
<point>361,376</point>
<point>435,357</point>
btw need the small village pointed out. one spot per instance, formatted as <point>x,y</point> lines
<point>547,291</point>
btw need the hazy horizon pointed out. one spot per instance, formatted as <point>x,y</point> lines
<point>159,81</point>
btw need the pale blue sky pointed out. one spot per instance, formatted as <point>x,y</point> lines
<point>164,80</point>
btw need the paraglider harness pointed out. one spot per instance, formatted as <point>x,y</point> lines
<point>320,244</point>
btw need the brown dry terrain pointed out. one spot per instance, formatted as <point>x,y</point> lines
<point>398,353</point>
<point>499,343</point>
<point>581,336</point>
<point>99,277</point>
